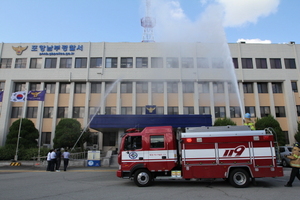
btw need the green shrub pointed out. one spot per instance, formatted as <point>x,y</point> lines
<point>8,153</point>
<point>224,122</point>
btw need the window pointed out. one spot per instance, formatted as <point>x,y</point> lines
<point>188,110</point>
<point>94,111</point>
<point>50,88</point>
<point>110,88</point>
<point>133,142</point>
<point>290,63</point>
<point>157,87</point>
<point>218,87</point>
<point>5,63</point>
<point>31,112</point>
<point>140,110</point>
<point>204,110</point>
<point>111,63</point>
<point>275,63</point>
<point>286,136</point>
<point>173,111</point>
<point>78,112</point>
<point>187,63</point>
<point>248,87</point>
<point>34,86</point>
<point>188,87</point>
<point>203,87</point>
<point>46,138</point>
<point>172,87</point>
<point>96,87</point>
<point>110,110</point>
<point>250,110</point>
<point>202,63</point>
<point>109,138</point>
<point>262,87</point>
<point>126,110</point>
<point>232,87</point>
<point>247,63</point>
<point>172,63</point>
<point>35,63</point>
<point>157,141</point>
<point>142,87</point>
<point>157,62</point>
<point>235,112</point>
<point>20,63</point>
<point>220,112</point>
<point>280,111</point>
<point>298,110</point>
<point>62,112</point>
<point>80,62</point>
<point>217,63</point>
<point>235,63</point>
<point>126,62</point>
<point>16,112</point>
<point>126,87</point>
<point>50,63</point>
<point>277,87</point>
<point>294,86</point>
<point>65,63</point>
<point>264,111</point>
<point>80,87</point>
<point>19,86</point>
<point>96,63</point>
<point>64,88</point>
<point>48,112</point>
<point>159,110</point>
<point>261,63</point>
<point>142,62</point>
<point>2,85</point>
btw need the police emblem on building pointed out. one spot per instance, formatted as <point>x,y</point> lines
<point>150,109</point>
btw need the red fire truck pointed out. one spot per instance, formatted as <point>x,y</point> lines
<point>233,153</point>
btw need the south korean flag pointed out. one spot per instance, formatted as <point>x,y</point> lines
<point>18,96</point>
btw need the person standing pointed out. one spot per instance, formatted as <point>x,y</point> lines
<point>58,159</point>
<point>53,160</point>
<point>49,160</point>
<point>295,164</point>
<point>66,156</point>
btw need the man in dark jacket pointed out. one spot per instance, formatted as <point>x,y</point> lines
<point>58,159</point>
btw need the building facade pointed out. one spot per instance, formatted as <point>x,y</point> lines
<point>83,79</point>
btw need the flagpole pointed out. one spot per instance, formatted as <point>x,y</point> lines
<point>17,149</point>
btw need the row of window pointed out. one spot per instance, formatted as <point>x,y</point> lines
<point>142,62</point>
<point>156,87</point>
<point>78,112</point>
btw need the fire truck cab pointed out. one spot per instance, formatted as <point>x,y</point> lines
<point>233,152</point>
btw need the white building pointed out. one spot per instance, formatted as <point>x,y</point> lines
<point>192,78</point>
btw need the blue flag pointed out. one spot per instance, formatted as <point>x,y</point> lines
<point>1,96</point>
<point>36,95</point>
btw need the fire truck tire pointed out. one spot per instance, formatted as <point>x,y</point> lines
<point>239,178</point>
<point>142,178</point>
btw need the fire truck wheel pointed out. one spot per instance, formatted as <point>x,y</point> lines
<point>239,178</point>
<point>142,178</point>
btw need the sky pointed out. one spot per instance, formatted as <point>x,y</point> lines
<point>253,21</point>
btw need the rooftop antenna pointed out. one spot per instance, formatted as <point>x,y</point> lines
<point>148,23</point>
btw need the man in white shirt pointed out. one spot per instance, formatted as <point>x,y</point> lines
<point>66,156</point>
<point>53,160</point>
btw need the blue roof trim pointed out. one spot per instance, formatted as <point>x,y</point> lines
<point>141,121</point>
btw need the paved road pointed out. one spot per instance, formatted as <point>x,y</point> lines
<point>101,183</point>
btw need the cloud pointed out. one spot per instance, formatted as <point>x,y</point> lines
<point>254,41</point>
<point>239,12</point>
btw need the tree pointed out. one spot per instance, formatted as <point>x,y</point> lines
<point>224,122</point>
<point>269,121</point>
<point>29,135</point>
<point>297,135</point>
<point>67,132</point>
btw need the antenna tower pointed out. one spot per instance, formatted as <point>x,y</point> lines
<point>148,23</point>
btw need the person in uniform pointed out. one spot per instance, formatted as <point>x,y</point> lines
<point>295,164</point>
<point>248,121</point>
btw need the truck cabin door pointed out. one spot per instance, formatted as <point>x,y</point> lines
<point>133,149</point>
